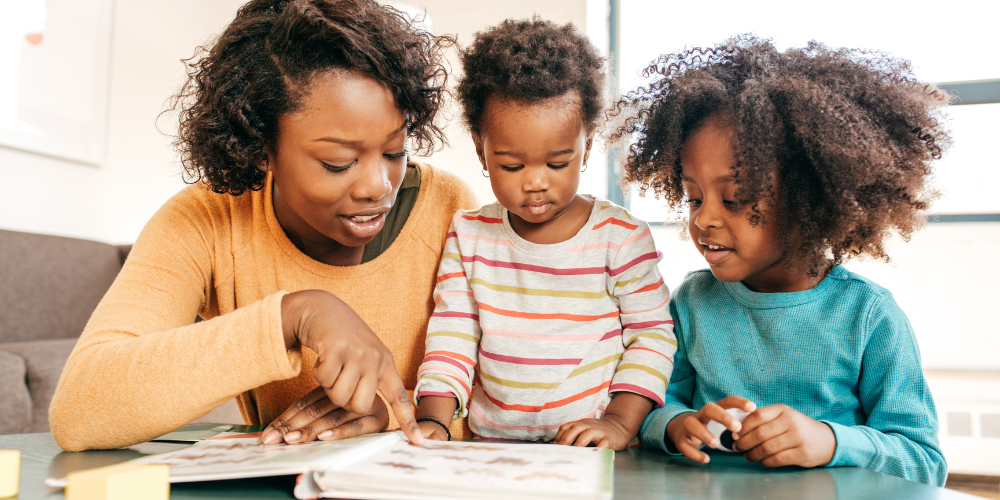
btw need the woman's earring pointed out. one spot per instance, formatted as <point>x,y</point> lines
<point>584,168</point>
<point>486,174</point>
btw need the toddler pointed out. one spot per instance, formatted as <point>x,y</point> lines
<point>789,163</point>
<point>551,319</point>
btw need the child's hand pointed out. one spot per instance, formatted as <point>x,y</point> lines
<point>600,432</point>
<point>688,431</point>
<point>778,435</point>
<point>439,408</point>
<point>431,430</point>
<point>616,429</point>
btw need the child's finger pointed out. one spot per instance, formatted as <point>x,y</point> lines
<point>737,402</point>
<point>589,436</point>
<point>692,452</point>
<point>790,456</point>
<point>720,415</point>
<point>753,438</point>
<point>569,436</point>
<point>605,442</point>
<point>695,429</point>
<point>770,447</point>
<point>759,417</point>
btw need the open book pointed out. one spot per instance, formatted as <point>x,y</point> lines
<point>387,466</point>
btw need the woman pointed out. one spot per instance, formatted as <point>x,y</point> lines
<point>309,244</point>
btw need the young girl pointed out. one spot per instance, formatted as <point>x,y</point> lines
<point>789,163</point>
<point>551,319</point>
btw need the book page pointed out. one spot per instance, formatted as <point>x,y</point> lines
<point>239,458</point>
<point>476,469</point>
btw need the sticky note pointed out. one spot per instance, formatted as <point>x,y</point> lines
<point>10,472</point>
<point>120,482</point>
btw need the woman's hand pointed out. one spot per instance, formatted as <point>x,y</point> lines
<point>352,363</point>
<point>314,416</point>
<point>688,431</point>
<point>778,435</point>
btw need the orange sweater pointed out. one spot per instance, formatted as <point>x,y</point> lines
<point>143,367</point>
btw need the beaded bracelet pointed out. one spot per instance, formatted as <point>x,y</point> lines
<point>436,421</point>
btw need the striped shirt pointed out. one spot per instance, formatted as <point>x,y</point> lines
<point>528,337</point>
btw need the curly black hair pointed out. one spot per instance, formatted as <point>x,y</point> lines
<point>260,68</point>
<point>849,134</point>
<point>530,60</point>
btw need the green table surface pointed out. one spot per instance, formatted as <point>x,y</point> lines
<point>639,474</point>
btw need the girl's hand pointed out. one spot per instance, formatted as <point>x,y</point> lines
<point>352,363</point>
<point>688,431</point>
<point>314,416</point>
<point>615,429</point>
<point>778,435</point>
<point>430,430</point>
<point>440,408</point>
<point>600,432</point>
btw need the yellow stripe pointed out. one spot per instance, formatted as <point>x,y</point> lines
<point>451,383</point>
<point>457,335</point>
<point>596,364</point>
<point>453,255</point>
<point>538,291</point>
<point>519,385</point>
<point>653,335</point>
<point>635,366</point>
<point>628,282</point>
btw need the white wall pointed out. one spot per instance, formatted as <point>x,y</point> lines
<point>464,18</point>
<point>113,201</point>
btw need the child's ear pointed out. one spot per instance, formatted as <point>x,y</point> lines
<point>586,150</point>
<point>479,149</point>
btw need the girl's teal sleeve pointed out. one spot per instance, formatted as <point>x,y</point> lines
<point>678,398</point>
<point>900,435</point>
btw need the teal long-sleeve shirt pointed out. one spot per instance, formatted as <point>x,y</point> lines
<point>842,353</point>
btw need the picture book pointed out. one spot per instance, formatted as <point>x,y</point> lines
<point>387,466</point>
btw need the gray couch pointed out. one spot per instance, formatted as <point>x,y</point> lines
<point>49,286</point>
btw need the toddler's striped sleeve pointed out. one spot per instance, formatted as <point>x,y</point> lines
<point>647,329</point>
<point>453,332</point>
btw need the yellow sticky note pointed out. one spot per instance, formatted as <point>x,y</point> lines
<point>120,482</point>
<point>10,472</point>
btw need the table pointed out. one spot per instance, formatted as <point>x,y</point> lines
<point>639,474</point>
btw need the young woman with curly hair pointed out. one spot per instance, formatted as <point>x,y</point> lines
<point>549,299</point>
<point>789,163</point>
<point>309,242</point>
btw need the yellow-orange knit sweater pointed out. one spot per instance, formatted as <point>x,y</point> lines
<point>143,367</point>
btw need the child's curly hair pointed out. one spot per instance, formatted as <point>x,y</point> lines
<point>260,68</point>
<point>530,60</point>
<point>848,134</point>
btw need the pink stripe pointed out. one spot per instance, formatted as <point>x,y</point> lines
<point>446,359</point>
<point>433,393</point>
<point>485,239</point>
<point>665,302</point>
<point>549,337</point>
<point>647,324</point>
<point>453,314</point>
<point>638,390</point>
<point>527,361</point>
<point>614,246</point>
<point>448,372</point>
<point>642,258</point>
<point>443,295</point>
<point>474,409</point>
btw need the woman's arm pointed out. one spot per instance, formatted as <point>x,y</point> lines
<point>142,367</point>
